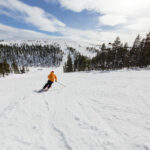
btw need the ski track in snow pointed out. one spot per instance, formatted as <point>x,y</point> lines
<point>96,110</point>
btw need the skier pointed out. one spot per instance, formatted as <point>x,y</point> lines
<point>51,78</point>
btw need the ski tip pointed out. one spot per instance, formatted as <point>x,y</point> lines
<point>38,91</point>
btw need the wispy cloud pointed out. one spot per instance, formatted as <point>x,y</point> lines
<point>51,1</point>
<point>31,15</point>
<point>126,19</point>
<point>77,34</point>
<point>135,8</point>
<point>8,32</point>
<point>123,16</point>
<point>115,10</point>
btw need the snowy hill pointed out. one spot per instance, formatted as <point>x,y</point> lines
<point>80,46</point>
<point>44,53</point>
<point>95,111</point>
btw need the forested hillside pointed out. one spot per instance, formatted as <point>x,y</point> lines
<point>13,57</point>
<point>113,56</point>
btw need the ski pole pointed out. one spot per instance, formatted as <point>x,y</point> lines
<point>61,84</point>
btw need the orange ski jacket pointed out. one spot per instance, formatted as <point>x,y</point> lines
<point>52,77</point>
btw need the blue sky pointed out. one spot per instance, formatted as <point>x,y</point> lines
<point>89,20</point>
<point>81,20</point>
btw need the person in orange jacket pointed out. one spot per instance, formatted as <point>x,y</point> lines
<point>51,78</point>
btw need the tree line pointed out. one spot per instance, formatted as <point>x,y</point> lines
<point>17,58</point>
<point>116,56</point>
<point>6,68</point>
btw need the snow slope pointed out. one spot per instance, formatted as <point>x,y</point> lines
<point>95,111</point>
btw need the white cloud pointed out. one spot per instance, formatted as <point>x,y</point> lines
<point>127,18</point>
<point>7,32</point>
<point>31,15</point>
<point>77,34</point>
<point>114,8</point>
<point>112,20</point>
<point>98,36</point>
<point>139,24</point>
<point>118,7</point>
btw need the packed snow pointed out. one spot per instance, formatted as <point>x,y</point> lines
<point>90,111</point>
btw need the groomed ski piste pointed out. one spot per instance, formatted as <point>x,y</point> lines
<point>94,111</point>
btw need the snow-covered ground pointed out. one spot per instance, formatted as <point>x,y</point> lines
<point>95,111</point>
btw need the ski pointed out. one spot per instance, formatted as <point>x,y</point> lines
<point>40,91</point>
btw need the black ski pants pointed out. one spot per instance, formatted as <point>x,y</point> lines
<point>48,84</point>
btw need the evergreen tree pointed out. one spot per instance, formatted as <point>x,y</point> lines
<point>2,71</point>
<point>103,47</point>
<point>6,67</point>
<point>117,44</point>
<point>116,47</point>
<point>137,42</point>
<point>126,56</point>
<point>22,70</point>
<point>15,67</point>
<point>141,57</point>
<point>68,66</point>
<point>146,51</point>
<point>81,63</point>
<point>135,52</point>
